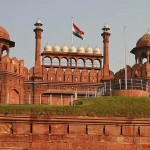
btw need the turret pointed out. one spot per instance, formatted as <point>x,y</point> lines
<point>105,35</point>
<point>38,31</point>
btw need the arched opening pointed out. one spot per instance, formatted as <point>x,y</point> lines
<point>76,79</point>
<point>144,60</point>
<point>93,76</point>
<point>76,75</point>
<point>68,78</point>
<point>88,63</point>
<point>64,62</point>
<point>14,97</point>
<point>84,76</point>
<point>72,62</point>
<point>136,74</point>
<point>4,51</point>
<point>47,61</point>
<point>96,63</point>
<point>80,63</point>
<point>55,61</point>
<point>68,75</point>
<point>60,75</point>
<point>51,74</point>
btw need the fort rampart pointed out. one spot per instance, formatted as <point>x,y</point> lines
<point>25,132</point>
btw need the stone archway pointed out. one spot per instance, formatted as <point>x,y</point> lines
<point>5,51</point>
<point>14,97</point>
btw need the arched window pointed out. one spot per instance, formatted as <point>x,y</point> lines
<point>55,61</point>
<point>84,75</point>
<point>136,74</point>
<point>80,63</point>
<point>144,60</point>
<point>76,79</point>
<point>63,62</point>
<point>96,63</point>
<point>72,62</point>
<point>88,63</point>
<point>4,51</point>
<point>47,61</point>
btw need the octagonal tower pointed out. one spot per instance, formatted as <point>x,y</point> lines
<point>106,35</point>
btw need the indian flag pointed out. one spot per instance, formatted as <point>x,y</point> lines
<point>77,32</point>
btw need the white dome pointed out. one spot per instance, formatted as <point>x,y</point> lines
<point>72,49</point>
<point>106,28</point>
<point>81,50</point>
<point>64,48</point>
<point>97,50</point>
<point>56,48</point>
<point>39,21</point>
<point>48,48</point>
<point>89,50</point>
<point>106,25</point>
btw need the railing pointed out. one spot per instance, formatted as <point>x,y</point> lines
<point>136,84</point>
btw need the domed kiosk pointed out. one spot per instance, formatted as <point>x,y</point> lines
<point>134,80</point>
<point>72,49</point>
<point>144,40</point>
<point>89,50</point>
<point>97,50</point>
<point>5,42</point>
<point>4,33</point>
<point>47,48</point>
<point>81,50</point>
<point>64,49</point>
<point>56,48</point>
<point>12,71</point>
<point>142,49</point>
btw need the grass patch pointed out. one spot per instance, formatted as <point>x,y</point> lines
<point>102,107</point>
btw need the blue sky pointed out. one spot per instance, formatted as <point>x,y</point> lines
<point>19,16</point>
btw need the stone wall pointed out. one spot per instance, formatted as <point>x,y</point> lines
<point>130,92</point>
<point>70,133</point>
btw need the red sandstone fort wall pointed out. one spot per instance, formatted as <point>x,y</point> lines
<point>70,133</point>
<point>134,93</point>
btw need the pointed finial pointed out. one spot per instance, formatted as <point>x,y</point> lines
<point>106,28</point>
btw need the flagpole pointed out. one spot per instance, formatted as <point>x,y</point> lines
<point>71,30</point>
<point>125,42</point>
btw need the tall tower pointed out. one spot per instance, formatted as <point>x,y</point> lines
<point>38,31</point>
<point>105,35</point>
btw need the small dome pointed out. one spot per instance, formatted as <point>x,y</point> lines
<point>56,48</point>
<point>106,28</point>
<point>97,50</point>
<point>4,33</point>
<point>72,49</point>
<point>64,49</point>
<point>47,48</point>
<point>89,50</point>
<point>144,40</point>
<point>106,25</point>
<point>39,21</point>
<point>81,50</point>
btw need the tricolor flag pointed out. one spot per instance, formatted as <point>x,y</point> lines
<point>77,32</point>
